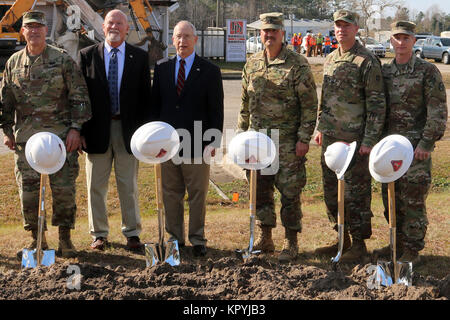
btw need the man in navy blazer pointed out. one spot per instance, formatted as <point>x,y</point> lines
<point>118,79</point>
<point>187,93</point>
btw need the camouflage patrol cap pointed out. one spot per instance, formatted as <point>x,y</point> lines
<point>347,16</point>
<point>34,17</point>
<point>272,20</point>
<point>405,27</point>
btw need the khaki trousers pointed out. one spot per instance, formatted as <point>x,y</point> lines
<point>176,179</point>
<point>98,171</point>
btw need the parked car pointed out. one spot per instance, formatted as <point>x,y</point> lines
<point>436,48</point>
<point>423,35</point>
<point>377,48</point>
<point>388,46</point>
<point>417,49</point>
<point>254,44</point>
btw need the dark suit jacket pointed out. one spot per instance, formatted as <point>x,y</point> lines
<point>200,100</point>
<point>135,95</point>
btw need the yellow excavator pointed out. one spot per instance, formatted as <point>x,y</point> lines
<point>140,11</point>
<point>139,7</point>
<point>155,47</point>
<point>9,37</point>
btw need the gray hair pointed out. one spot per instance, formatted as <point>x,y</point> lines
<point>189,24</point>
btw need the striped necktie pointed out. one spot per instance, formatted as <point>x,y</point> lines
<point>181,77</point>
<point>112,81</point>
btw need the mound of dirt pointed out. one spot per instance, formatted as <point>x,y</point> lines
<point>222,279</point>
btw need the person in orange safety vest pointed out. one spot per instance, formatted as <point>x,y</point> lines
<point>326,46</point>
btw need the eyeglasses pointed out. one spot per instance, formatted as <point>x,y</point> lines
<point>183,36</point>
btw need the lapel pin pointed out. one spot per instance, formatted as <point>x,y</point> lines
<point>198,69</point>
<point>131,56</point>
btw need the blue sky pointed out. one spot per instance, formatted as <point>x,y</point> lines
<point>423,5</point>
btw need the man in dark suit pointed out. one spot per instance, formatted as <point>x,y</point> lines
<point>188,94</point>
<point>118,79</point>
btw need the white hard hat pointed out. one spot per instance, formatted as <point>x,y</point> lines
<point>155,142</point>
<point>252,150</point>
<point>338,157</point>
<point>45,152</point>
<point>390,158</point>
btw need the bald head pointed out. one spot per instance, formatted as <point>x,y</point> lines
<point>115,27</point>
<point>185,23</point>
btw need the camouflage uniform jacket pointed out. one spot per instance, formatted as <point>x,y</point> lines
<point>416,101</point>
<point>280,94</point>
<point>49,94</point>
<point>353,105</point>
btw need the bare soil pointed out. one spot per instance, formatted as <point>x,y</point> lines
<point>218,276</point>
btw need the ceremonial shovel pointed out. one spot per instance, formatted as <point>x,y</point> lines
<point>253,151</point>
<point>36,257</point>
<point>338,157</point>
<point>392,272</point>
<point>389,160</point>
<point>341,208</point>
<point>247,253</point>
<point>162,251</point>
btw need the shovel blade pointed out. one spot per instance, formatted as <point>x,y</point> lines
<point>385,273</point>
<point>152,257</point>
<point>335,260</point>
<point>168,253</point>
<point>29,258</point>
<point>247,253</point>
<point>172,253</point>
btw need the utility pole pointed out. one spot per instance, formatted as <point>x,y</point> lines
<point>217,13</point>
<point>290,9</point>
<point>224,8</point>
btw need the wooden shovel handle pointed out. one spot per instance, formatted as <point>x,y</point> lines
<point>341,205</point>
<point>253,179</point>
<point>158,184</point>
<point>159,203</point>
<point>393,227</point>
<point>42,194</point>
<point>391,201</point>
<point>41,219</point>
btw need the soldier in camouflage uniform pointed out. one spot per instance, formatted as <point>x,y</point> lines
<point>352,108</point>
<point>417,109</point>
<point>278,92</point>
<point>43,90</point>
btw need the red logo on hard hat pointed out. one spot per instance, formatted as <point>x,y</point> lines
<point>396,164</point>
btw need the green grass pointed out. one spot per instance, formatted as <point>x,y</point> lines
<point>229,67</point>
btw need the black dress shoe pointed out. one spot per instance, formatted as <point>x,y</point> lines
<point>199,250</point>
<point>134,243</point>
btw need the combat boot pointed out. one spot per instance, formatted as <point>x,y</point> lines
<point>410,255</point>
<point>357,251</point>
<point>264,241</point>
<point>33,243</point>
<point>65,246</point>
<point>290,247</point>
<point>333,248</point>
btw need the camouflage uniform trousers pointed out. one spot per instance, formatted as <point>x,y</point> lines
<point>411,192</point>
<point>358,196</point>
<point>62,184</point>
<point>289,180</point>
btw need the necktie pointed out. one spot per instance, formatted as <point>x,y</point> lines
<point>181,77</point>
<point>112,82</point>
